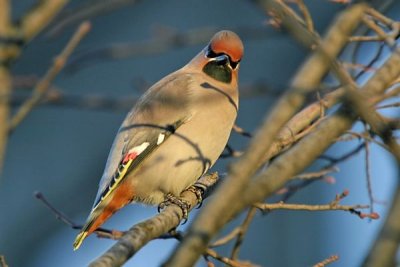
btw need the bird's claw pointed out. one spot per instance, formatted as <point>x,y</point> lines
<point>198,191</point>
<point>181,203</point>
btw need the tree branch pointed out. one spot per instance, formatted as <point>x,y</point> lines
<point>39,17</point>
<point>333,205</point>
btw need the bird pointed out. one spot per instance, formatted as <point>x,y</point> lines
<point>173,135</point>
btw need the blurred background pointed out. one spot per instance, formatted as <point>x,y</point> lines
<point>61,148</point>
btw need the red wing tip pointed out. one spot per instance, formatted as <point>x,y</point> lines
<point>229,43</point>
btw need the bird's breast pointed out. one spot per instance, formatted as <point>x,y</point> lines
<point>189,152</point>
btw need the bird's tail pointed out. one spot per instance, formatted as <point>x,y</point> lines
<point>79,239</point>
<point>108,206</point>
<point>91,225</point>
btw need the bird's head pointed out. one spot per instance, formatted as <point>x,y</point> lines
<point>220,59</point>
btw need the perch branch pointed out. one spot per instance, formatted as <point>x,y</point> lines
<point>140,234</point>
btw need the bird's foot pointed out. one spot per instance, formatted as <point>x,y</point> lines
<point>171,199</point>
<point>198,191</point>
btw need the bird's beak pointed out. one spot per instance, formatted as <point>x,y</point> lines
<point>222,59</point>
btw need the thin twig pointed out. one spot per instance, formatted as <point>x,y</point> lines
<point>227,238</point>
<point>335,160</point>
<point>350,135</point>
<point>375,59</point>
<point>306,14</point>
<point>318,174</point>
<point>387,38</point>
<point>44,84</point>
<point>327,261</point>
<point>226,260</point>
<point>368,178</point>
<point>334,205</point>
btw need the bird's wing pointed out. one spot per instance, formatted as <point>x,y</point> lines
<point>163,109</point>
<point>149,138</point>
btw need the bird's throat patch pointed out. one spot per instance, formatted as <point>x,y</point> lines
<point>219,72</point>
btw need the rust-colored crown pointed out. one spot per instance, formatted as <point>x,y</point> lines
<point>229,43</point>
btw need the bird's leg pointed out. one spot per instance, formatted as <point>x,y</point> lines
<point>171,199</point>
<point>198,190</point>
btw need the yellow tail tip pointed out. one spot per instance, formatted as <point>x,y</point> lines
<point>79,239</point>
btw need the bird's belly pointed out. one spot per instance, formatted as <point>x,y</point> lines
<point>179,161</point>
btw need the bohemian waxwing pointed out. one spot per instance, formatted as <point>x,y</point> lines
<point>174,134</point>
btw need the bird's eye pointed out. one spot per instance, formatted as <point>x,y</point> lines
<point>210,53</point>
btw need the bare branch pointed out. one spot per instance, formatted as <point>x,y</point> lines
<point>317,174</point>
<point>306,14</point>
<point>368,178</point>
<point>228,261</point>
<point>227,238</point>
<point>39,16</point>
<point>334,205</point>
